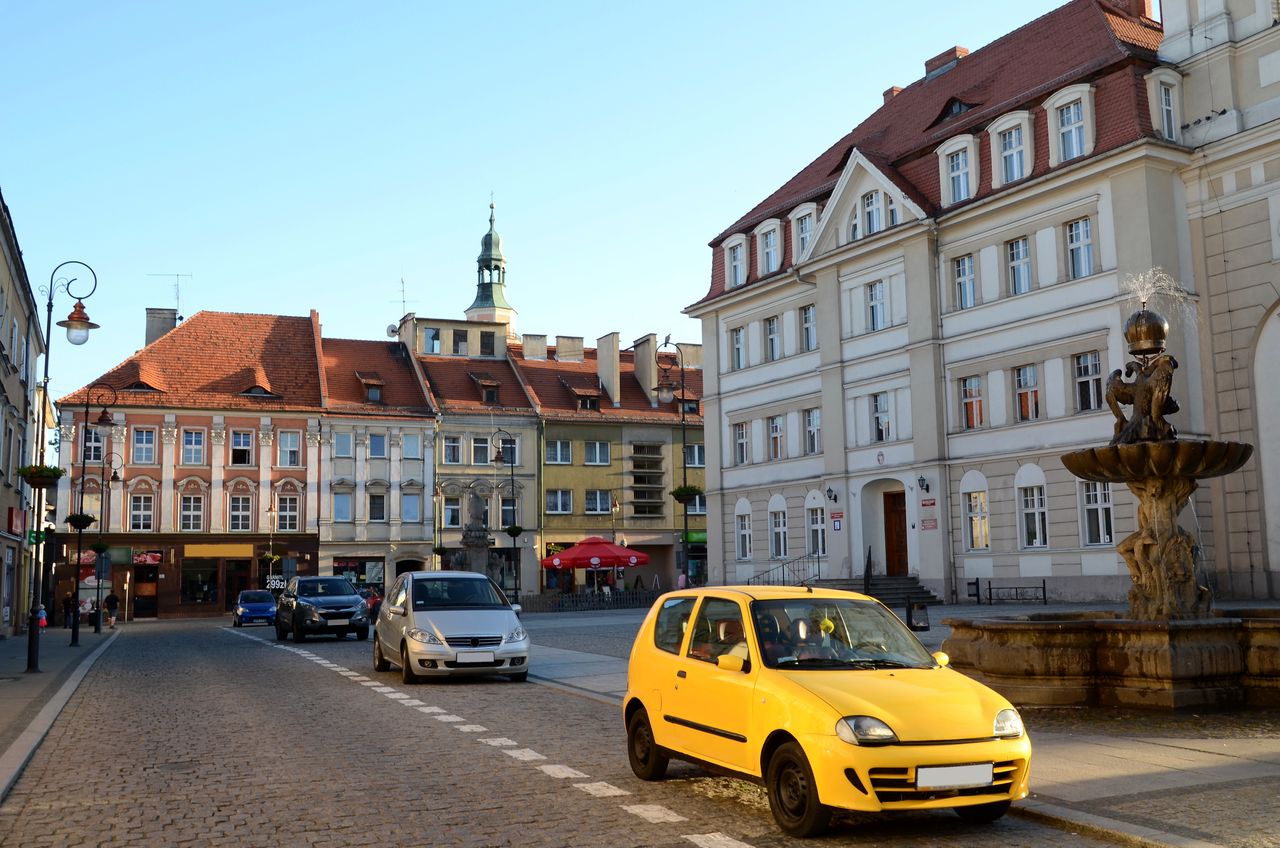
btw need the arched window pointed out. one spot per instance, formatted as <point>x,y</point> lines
<point>742,529</point>
<point>973,497</point>
<point>1033,513</point>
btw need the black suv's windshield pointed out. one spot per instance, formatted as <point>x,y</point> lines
<point>436,593</point>
<point>835,633</point>
<point>257,598</point>
<point>325,587</point>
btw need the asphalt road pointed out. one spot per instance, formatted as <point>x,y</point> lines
<point>194,733</point>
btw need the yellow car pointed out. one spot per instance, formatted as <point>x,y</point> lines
<point>826,698</point>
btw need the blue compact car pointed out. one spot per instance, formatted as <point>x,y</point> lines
<point>254,605</point>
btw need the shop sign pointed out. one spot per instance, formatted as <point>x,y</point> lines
<point>929,524</point>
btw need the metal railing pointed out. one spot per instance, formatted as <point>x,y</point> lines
<point>580,601</point>
<point>793,572</point>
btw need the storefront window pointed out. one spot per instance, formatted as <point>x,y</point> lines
<point>199,581</point>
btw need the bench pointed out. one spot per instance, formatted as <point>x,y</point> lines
<point>1023,592</point>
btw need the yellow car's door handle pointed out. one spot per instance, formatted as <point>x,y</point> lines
<point>680,674</point>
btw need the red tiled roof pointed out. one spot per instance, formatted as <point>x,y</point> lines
<point>453,385</point>
<point>351,364</point>
<point>209,360</point>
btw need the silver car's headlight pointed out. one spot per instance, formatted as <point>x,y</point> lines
<point>516,635</point>
<point>424,636</point>
<point>865,730</point>
<point>1008,725</point>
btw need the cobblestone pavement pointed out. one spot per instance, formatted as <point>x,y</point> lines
<point>195,734</point>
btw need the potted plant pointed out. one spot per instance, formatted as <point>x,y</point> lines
<point>440,550</point>
<point>269,560</point>
<point>80,520</point>
<point>685,494</point>
<point>513,530</point>
<point>99,547</point>
<point>40,476</point>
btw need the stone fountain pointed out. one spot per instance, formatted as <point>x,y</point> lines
<point>1171,652</point>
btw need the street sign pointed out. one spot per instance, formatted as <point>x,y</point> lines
<point>929,502</point>
<point>836,516</point>
<point>104,565</point>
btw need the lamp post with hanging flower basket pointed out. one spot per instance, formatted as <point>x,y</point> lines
<point>95,394</point>
<point>41,476</point>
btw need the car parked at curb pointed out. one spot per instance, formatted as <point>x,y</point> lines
<point>311,606</point>
<point>826,698</point>
<point>254,605</point>
<point>439,623</point>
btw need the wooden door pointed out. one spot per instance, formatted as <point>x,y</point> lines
<point>895,534</point>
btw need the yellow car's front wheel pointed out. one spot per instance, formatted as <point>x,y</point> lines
<point>793,793</point>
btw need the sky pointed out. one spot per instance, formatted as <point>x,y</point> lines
<point>292,156</point>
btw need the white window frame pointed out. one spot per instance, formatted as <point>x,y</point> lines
<point>777,437</point>
<point>410,446</point>
<point>695,455</point>
<point>778,534</point>
<point>698,506</point>
<point>876,311</point>
<point>808,327</point>
<point>240,520</point>
<point>1033,517</point>
<point>735,261</point>
<point>451,512</point>
<point>1026,392</point>
<point>964,282</point>
<point>379,515</point>
<point>92,445</point>
<point>509,511</point>
<point>377,446</point>
<point>410,508</point>
<point>972,413</point>
<point>1080,260</point>
<point>742,536</point>
<point>191,513</point>
<point>1022,122</point>
<point>144,453</point>
<point>235,436</point>
<point>737,348</point>
<point>772,338</point>
<point>881,417</point>
<point>977,521</point>
<point>481,453</point>
<point>1166,116</point>
<point>1086,373</point>
<point>802,239</point>
<point>343,514</point>
<point>343,444</point>
<point>741,443</point>
<point>1017,259</point>
<point>559,452</point>
<point>1096,498</point>
<point>817,536</point>
<point>812,430</point>
<point>596,453</point>
<point>598,502</point>
<point>451,445</point>
<point>142,512</point>
<point>559,502</point>
<point>289,448</point>
<point>1065,97</point>
<point>959,172</point>
<point>871,206</point>
<point>193,444</point>
<point>287,512</point>
<point>768,247</point>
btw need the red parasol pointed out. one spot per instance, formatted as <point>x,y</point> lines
<point>595,552</point>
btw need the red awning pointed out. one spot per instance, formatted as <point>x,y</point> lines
<point>595,552</point>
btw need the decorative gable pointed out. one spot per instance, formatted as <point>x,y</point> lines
<point>860,176</point>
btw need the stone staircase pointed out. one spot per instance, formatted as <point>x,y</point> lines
<point>890,591</point>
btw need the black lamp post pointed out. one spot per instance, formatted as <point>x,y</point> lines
<point>500,439</point>
<point>78,326</point>
<point>100,391</point>
<point>116,463</point>
<point>666,391</point>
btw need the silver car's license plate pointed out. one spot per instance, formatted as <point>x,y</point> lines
<point>953,777</point>
<point>339,622</point>
<point>475,656</point>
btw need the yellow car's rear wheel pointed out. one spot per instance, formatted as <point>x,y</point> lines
<point>647,760</point>
<point>793,794</point>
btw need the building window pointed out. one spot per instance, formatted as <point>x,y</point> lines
<point>769,251</point>
<point>290,454</point>
<point>809,327</point>
<point>737,270</point>
<point>958,171</point>
<point>507,453</point>
<point>875,306</point>
<point>872,213</point>
<point>240,514</point>
<point>695,456</point>
<point>92,445</point>
<point>817,531</point>
<point>1088,368</point>
<point>737,349</point>
<point>772,339</point>
<point>812,430</point>
<point>1018,256</point>
<point>141,513</point>
<point>697,506</point>
<point>559,501</point>
<point>287,513</point>
<point>743,537</point>
<point>479,450</point>
<point>741,444</point>
<point>377,507</point>
<point>460,342</point>
<point>431,340</point>
<point>410,507</point>
<point>452,450</point>
<point>411,446</point>
<point>1168,122</point>
<point>507,512</point>
<point>966,294</point>
<point>892,211</point>
<point>1097,513</point>
<point>486,343</point>
<point>599,502</point>
<point>777,447</point>
<point>778,534</point>
<point>342,507</point>
<point>1035,517</point>
<point>971,415</point>
<point>559,452</point>
<point>853,227</point>
<point>144,446</point>
<point>452,512</point>
<point>1026,393</point>
<point>804,233</point>
<point>881,418</point>
<point>1012,159</point>
<point>193,447</point>
<point>242,452</point>
<point>976,536</point>
<point>1079,249</point>
<point>377,445</point>
<point>1071,130</point>
<point>191,513</point>
<point>597,453</point>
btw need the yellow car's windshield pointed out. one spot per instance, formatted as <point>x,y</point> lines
<point>834,633</point>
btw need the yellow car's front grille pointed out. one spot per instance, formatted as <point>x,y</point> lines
<point>898,785</point>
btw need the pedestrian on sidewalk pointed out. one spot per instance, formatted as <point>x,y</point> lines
<point>112,603</point>
<point>68,610</point>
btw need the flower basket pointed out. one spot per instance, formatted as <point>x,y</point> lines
<point>80,520</point>
<point>99,547</point>
<point>686,494</point>
<point>439,550</point>
<point>269,560</point>
<point>40,476</point>
<point>513,530</point>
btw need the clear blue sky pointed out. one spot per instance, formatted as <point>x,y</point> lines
<point>295,156</point>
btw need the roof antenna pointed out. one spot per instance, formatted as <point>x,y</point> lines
<point>404,301</point>
<point>177,291</point>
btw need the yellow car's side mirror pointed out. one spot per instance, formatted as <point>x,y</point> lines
<point>941,658</point>
<point>730,662</point>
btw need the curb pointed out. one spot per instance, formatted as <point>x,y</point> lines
<point>15,759</point>
<point>1131,834</point>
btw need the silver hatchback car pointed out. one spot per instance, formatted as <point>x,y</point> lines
<point>449,622</point>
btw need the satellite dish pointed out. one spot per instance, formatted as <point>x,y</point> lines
<point>392,331</point>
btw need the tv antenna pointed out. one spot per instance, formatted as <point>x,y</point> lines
<point>404,301</point>
<point>177,290</point>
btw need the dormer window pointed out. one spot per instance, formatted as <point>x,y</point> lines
<point>1164,86</point>
<point>591,404</point>
<point>1071,123</point>
<point>488,388</point>
<point>1011,141</point>
<point>689,407</point>
<point>735,261</point>
<point>804,222</point>
<point>958,169</point>
<point>769,246</point>
<point>372,383</point>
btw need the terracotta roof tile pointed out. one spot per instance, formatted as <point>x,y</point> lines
<point>352,364</point>
<point>453,385</point>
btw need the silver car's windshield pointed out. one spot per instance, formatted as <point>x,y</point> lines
<point>452,592</point>
<point>834,633</point>
<point>327,586</point>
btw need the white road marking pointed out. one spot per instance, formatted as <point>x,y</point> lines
<point>601,790</point>
<point>524,754</point>
<point>382,689</point>
<point>394,694</point>
<point>341,669</point>
<point>653,813</point>
<point>715,840</point>
<point>470,728</point>
<point>358,679</point>
<point>560,771</point>
<point>448,717</point>
<point>349,673</point>
<point>500,742</point>
<point>371,683</point>
<point>430,710</point>
<point>413,702</point>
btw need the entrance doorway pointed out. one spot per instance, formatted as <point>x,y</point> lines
<point>237,577</point>
<point>895,534</point>
<point>145,578</point>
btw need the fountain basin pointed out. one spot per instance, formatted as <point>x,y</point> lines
<point>1194,459</point>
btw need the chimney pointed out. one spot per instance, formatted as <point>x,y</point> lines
<point>1135,8</point>
<point>535,347</point>
<point>159,322</point>
<point>890,93</point>
<point>692,354</point>
<point>944,61</point>
<point>569,348</point>
<point>646,359</point>
<point>607,368</point>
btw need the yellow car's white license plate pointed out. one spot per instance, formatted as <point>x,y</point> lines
<point>953,777</point>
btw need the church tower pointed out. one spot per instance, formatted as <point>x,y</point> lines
<point>491,281</point>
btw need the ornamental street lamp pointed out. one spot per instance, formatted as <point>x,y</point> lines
<point>666,391</point>
<point>93,396</point>
<point>502,442</point>
<point>77,326</point>
<point>109,459</point>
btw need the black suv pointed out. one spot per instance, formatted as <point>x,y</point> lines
<point>313,605</point>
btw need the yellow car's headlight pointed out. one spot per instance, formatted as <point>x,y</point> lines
<point>865,730</point>
<point>1008,725</point>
